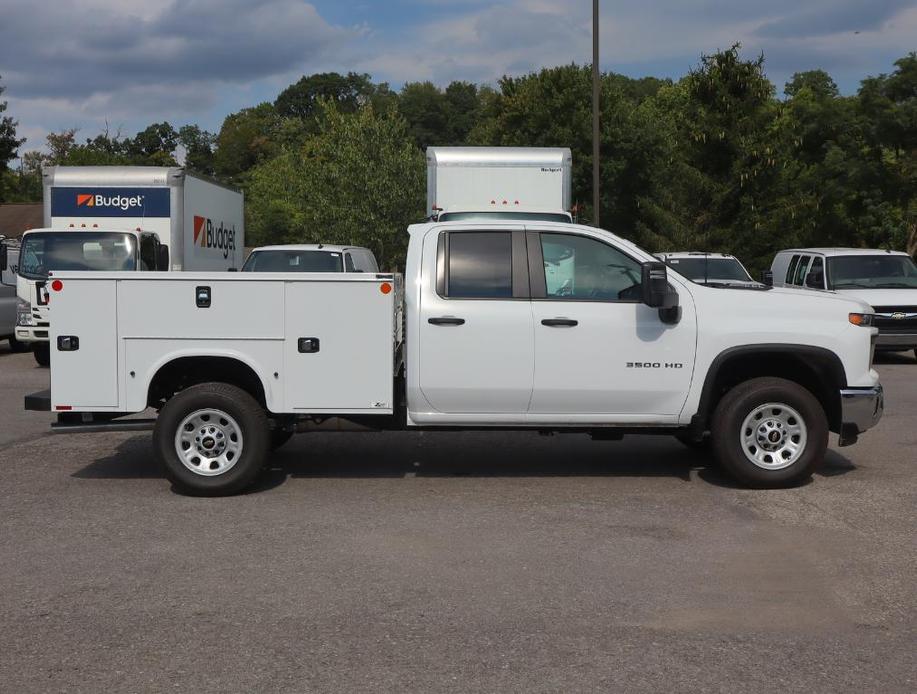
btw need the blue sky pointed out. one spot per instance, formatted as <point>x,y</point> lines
<point>128,63</point>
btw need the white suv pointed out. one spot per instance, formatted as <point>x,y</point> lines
<point>886,280</point>
<point>311,257</point>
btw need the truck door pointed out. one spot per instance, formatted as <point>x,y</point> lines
<point>476,352</point>
<point>599,351</point>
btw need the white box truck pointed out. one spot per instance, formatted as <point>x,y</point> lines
<point>236,362</point>
<point>466,183</point>
<point>124,218</point>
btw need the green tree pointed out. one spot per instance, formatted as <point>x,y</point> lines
<point>9,143</point>
<point>198,146</point>
<point>424,108</point>
<point>359,180</point>
<point>155,145</point>
<point>302,99</point>
<point>246,139</point>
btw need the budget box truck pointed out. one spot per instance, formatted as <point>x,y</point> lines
<point>117,218</point>
<point>9,260</point>
<point>467,183</point>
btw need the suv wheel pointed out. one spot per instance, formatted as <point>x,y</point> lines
<point>769,432</point>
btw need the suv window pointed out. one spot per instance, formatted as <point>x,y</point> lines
<point>800,276</point>
<point>583,268</point>
<point>791,271</point>
<point>479,265</point>
<point>817,267</point>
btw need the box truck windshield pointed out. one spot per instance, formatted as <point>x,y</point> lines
<point>294,261</point>
<point>76,250</point>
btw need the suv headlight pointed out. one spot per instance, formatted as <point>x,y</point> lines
<point>24,314</point>
<point>867,320</point>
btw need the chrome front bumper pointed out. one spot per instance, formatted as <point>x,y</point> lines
<point>861,409</point>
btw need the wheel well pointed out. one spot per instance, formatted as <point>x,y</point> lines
<point>184,372</point>
<point>818,370</point>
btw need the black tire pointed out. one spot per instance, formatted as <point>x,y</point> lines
<point>17,346</point>
<point>279,437</point>
<point>248,416</point>
<point>739,403</point>
<point>42,352</point>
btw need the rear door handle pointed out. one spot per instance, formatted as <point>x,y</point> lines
<point>559,322</point>
<point>446,321</point>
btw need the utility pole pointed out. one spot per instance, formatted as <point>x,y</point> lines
<point>596,91</point>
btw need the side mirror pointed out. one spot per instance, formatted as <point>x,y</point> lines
<point>655,284</point>
<point>4,258</point>
<point>815,280</point>
<point>767,277</point>
<point>162,261</point>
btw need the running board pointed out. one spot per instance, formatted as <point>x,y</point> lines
<point>114,425</point>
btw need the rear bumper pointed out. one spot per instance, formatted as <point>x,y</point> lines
<point>861,410</point>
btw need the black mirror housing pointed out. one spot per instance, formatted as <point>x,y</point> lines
<point>655,284</point>
<point>162,261</point>
<point>767,278</point>
<point>4,258</point>
<point>815,280</point>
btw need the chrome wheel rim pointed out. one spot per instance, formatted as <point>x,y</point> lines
<point>773,436</point>
<point>208,442</point>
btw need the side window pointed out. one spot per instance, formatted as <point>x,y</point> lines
<point>479,265</point>
<point>348,263</point>
<point>800,276</point>
<point>582,268</point>
<point>147,252</point>
<point>791,271</point>
<point>816,275</point>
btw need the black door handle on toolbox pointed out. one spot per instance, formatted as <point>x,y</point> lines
<point>446,321</point>
<point>559,322</point>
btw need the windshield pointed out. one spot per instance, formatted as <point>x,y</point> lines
<point>713,269</point>
<point>294,261</point>
<point>485,216</point>
<point>76,250</point>
<point>872,272</point>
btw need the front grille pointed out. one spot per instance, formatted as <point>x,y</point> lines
<point>906,322</point>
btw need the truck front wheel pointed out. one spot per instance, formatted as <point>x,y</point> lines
<point>212,439</point>
<point>769,432</point>
<point>42,353</point>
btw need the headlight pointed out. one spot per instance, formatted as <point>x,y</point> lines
<point>24,314</point>
<point>866,320</point>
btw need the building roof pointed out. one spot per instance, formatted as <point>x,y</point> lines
<point>16,218</point>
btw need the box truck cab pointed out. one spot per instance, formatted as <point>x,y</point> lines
<point>124,218</point>
<point>478,183</point>
<point>886,280</point>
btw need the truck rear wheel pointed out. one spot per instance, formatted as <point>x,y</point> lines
<point>769,432</point>
<point>42,352</point>
<point>212,439</point>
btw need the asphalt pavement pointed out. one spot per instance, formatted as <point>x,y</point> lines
<point>455,562</point>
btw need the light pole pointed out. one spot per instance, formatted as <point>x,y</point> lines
<point>596,90</point>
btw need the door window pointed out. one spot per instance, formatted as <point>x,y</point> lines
<point>791,271</point>
<point>479,265</point>
<point>800,276</point>
<point>815,278</point>
<point>580,268</point>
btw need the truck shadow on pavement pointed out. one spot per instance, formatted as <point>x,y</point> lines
<point>466,454</point>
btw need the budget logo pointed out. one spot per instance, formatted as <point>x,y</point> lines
<point>207,235</point>
<point>120,202</point>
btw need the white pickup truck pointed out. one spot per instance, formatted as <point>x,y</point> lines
<point>545,326</point>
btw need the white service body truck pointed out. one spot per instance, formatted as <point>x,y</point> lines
<point>543,326</point>
<point>466,183</point>
<point>124,217</point>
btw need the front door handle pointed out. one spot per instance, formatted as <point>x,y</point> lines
<point>559,322</point>
<point>446,321</point>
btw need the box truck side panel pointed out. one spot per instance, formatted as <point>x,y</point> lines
<point>214,226</point>
<point>483,188</point>
<point>110,207</point>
